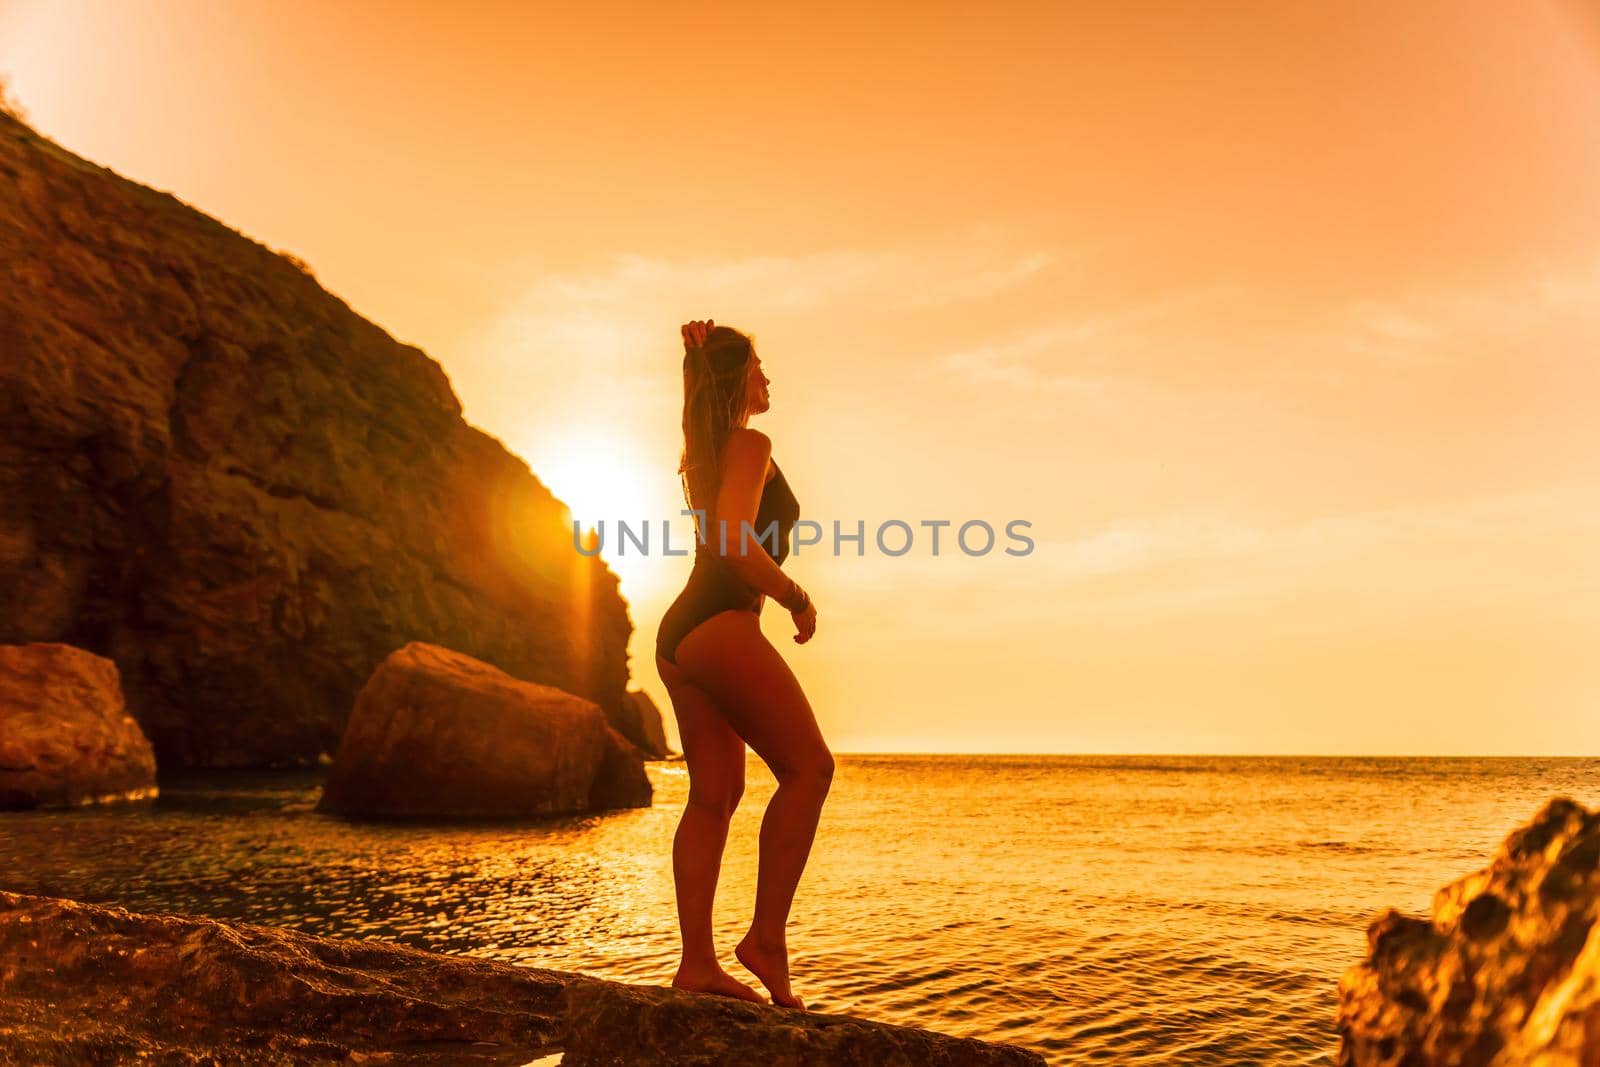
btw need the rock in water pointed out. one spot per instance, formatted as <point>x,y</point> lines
<point>437,733</point>
<point>620,781</point>
<point>218,475</point>
<point>66,737</point>
<point>640,722</point>
<point>1505,973</point>
<point>86,984</point>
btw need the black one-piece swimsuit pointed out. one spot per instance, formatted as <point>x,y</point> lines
<point>713,586</point>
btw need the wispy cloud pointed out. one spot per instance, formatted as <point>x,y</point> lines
<point>1194,557</point>
<point>1033,359</point>
<point>982,282</point>
<point>1097,352</point>
<point>623,314</point>
<point>973,263</point>
<point>1418,325</point>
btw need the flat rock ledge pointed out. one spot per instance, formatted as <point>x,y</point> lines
<point>85,984</point>
<point>1505,972</point>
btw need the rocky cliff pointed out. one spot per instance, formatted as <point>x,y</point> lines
<point>86,984</point>
<point>1505,972</point>
<point>216,474</point>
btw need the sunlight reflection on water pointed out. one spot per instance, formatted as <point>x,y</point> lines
<point>1129,909</point>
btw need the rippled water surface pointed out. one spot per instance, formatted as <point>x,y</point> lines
<point>1127,909</point>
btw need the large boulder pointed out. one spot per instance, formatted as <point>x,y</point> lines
<point>66,737</point>
<point>83,984</point>
<point>1504,973</point>
<point>439,734</point>
<point>640,722</point>
<point>217,474</point>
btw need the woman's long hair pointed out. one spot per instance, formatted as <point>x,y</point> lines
<point>714,380</point>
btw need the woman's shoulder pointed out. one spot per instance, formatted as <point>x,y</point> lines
<point>749,449</point>
<point>751,438</point>
<point>748,444</point>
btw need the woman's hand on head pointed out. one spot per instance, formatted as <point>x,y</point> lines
<point>694,333</point>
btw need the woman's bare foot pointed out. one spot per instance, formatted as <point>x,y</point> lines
<point>770,963</point>
<point>715,980</point>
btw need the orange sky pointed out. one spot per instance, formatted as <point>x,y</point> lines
<point>1278,322</point>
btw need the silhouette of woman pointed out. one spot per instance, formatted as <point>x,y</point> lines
<point>728,684</point>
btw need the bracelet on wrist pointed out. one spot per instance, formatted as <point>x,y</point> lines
<point>794,598</point>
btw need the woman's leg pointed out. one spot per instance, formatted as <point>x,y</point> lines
<point>730,659</point>
<point>715,757</point>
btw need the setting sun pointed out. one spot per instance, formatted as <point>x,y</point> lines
<point>599,476</point>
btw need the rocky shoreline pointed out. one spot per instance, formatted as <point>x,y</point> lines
<point>434,733</point>
<point>81,983</point>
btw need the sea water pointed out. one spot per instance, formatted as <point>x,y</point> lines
<point>1126,909</point>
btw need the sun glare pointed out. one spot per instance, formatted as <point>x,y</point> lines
<point>601,478</point>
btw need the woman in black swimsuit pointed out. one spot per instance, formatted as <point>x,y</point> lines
<point>728,684</point>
